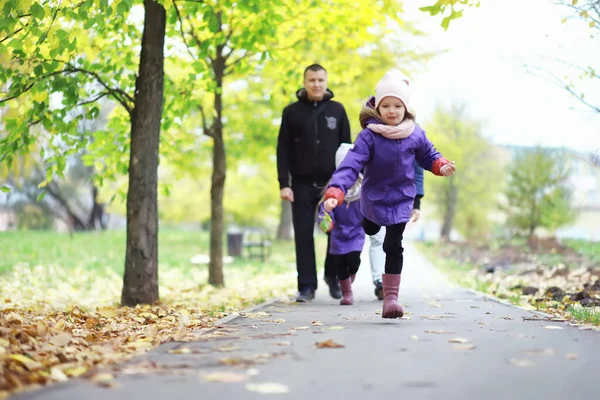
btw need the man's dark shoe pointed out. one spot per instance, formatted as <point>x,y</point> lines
<point>305,295</point>
<point>334,287</point>
<point>379,290</point>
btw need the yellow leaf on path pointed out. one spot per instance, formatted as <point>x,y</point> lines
<point>279,321</point>
<point>316,323</point>
<point>26,361</point>
<point>104,379</point>
<point>459,340</point>
<point>554,327</point>
<point>183,350</point>
<point>300,328</point>
<point>571,356</point>
<point>267,388</point>
<point>4,343</point>
<point>328,344</point>
<point>336,328</point>
<point>76,371</point>
<point>414,337</point>
<point>464,346</point>
<point>283,344</point>
<point>259,314</point>
<point>57,375</point>
<point>227,349</point>
<point>546,352</point>
<point>224,376</point>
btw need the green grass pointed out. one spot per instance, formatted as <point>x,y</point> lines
<point>586,314</point>
<point>106,250</point>
<point>48,270</point>
<point>586,248</point>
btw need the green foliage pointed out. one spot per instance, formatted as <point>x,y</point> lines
<point>479,178</point>
<point>455,8</point>
<point>33,217</point>
<point>537,194</point>
<point>587,248</point>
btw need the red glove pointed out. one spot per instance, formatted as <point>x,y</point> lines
<point>438,164</point>
<point>335,193</point>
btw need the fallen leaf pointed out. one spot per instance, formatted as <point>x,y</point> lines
<point>329,343</point>
<point>267,388</point>
<point>440,332</point>
<point>522,363</point>
<point>554,327</point>
<point>183,350</point>
<point>224,376</point>
<point>435,304</point>
<point>283,344</point>
<point>571,356</point>
<point>227,349</point>
<point>414,337</point>
<point>464,346</point>
<point>459,340</point>
<point>300,328</point>
<point>27,362</point>
<point>57,375</point>
<point>103,379</point>
<point>279,321</point>
<point>336,328</point>
<point>259,314</point>
<point>62,339</point>
<point>316,323</point>
<point>431,317</point>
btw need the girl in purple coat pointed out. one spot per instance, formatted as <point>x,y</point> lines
<point>347,236</point>
<point>385,149</point>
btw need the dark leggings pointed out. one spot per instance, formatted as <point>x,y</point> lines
<point>392,244</point>
<point>347,264</point>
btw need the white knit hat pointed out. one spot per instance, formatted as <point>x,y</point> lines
<point>394,83</point>
<point>353,193</point>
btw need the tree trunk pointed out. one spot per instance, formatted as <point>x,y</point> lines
<point>140,282</point>
<point>215,268</point>
<point>284,232</point>
<point>97,215</point>
<point>450,211</point>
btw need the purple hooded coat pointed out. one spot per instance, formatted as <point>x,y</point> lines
<point>388,189</point>
<point>347,234</point>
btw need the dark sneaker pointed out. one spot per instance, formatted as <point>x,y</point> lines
<point>305,295</point>
<point>334,287</point>
<point>379,290</point>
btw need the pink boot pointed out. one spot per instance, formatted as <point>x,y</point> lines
<point>391,285</point>
<point>347,298</point>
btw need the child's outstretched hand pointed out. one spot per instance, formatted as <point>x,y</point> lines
<point>448,169</point>
<point>330,204</point>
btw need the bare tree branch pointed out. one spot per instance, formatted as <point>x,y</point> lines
<point>95,99</point>
<point>230,65</point>
<point>560,83</point>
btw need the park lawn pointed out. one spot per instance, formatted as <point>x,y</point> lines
<point>59,299</point>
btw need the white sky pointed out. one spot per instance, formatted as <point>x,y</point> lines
<point>488,47</point>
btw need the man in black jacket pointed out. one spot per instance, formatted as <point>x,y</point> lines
<point>311,131</point>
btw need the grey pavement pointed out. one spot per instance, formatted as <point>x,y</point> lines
<point>502,352</point>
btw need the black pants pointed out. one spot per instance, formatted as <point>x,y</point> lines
<point>392,244</point>
<point>304,208</point>
<point>347,264</point>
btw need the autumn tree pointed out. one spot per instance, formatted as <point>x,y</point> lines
<point>537,194</point>
<point>65,56</point>
<point>466,200</point>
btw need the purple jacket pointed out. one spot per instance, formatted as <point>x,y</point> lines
<point>388,188</point>
<point>347,234</point>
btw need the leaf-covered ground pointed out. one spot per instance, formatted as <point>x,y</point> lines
<point>59,313</point>
<point>562,279</point>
